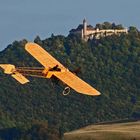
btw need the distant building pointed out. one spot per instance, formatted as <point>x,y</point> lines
<point>89,32</point>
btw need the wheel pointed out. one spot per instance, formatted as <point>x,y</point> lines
<point>66,91</point>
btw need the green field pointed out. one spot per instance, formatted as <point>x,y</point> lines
<point>115,131</point>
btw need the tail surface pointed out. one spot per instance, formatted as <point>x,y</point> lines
<point>10,69</point>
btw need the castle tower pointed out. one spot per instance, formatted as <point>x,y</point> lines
<point>84,29</point>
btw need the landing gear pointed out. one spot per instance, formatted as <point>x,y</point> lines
<point>66,91</point>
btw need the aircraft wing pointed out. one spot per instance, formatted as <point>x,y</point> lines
<point>11,70</point>
<point>76,83</point>
<point>42,56</point>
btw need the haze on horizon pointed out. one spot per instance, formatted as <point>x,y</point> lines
<point>26,19</point>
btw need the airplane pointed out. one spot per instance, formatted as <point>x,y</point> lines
<point>51,69</point>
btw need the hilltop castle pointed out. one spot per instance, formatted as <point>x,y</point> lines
<point>88,32</point>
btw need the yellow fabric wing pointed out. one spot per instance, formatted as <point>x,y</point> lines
<point>76,83</point>
<point>42,56</point>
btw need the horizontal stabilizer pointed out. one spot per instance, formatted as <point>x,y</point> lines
<point>20,78</point>
<point>10,69</point>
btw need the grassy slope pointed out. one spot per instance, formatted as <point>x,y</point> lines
<point>117,131</point>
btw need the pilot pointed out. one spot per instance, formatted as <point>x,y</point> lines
<point>55,68</point>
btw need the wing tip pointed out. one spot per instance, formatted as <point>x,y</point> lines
<point>28,44</point>
<point>97,93</point>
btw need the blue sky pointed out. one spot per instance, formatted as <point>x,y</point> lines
<point>21,19</point>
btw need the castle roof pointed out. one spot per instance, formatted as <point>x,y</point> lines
<point>90,27</point>
<point>80,27</point>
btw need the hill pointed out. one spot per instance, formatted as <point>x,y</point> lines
<point>110,64</point>
<point>114,131</point>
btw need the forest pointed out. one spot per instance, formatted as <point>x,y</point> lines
<point>39,111</point>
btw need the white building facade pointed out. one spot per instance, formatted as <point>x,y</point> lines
<point>88,32</point>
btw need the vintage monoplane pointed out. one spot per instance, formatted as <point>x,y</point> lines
<point>51,69</point>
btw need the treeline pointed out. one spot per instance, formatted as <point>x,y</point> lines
<point>110,64</point>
